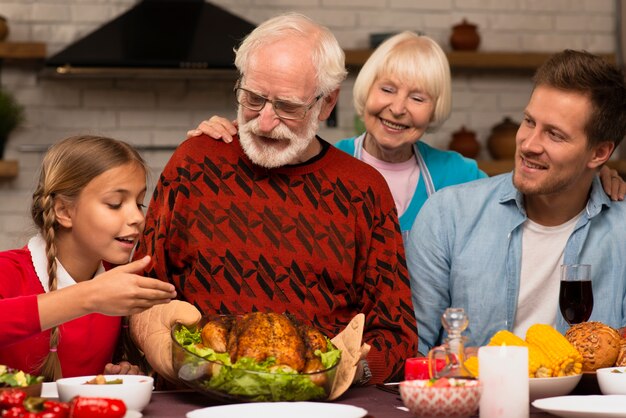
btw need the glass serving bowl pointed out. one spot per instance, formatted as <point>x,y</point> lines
<point>232,384</point>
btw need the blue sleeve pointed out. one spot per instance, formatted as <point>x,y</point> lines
<point>428,259</point>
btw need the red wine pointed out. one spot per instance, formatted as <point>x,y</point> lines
<point>576,301</point>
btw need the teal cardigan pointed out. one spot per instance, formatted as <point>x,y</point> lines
<point>438,169</point>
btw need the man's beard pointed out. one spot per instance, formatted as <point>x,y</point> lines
<point>281,146</point>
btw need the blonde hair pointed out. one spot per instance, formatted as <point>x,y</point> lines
<point>68,166</point>
<point>328,57</point>
<point>416,59</point>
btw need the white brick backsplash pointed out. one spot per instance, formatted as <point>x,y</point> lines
<point>160,111</point>
<point>546,6</point>
<point>599,6</point>
<point>534,22</point>
<point>151,119</point>
<point>123,99</point>
<point>91,13</point>
<point>400,20</point>
<point>44,12</point>
<point>485,5</point>
<point>590,22</point>
<point>12,201</point>
<point>422,5</point>
<point>551,41</point>
<point>17,11</point>
<point>79,118</point>
<point>15,223</point>
<point>351,4</point>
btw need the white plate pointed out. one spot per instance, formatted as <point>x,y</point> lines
<point>280,410</point>
<point>589,406</point>
<point>548,387</point>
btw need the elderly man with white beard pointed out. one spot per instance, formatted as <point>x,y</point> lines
<point>280,220</point>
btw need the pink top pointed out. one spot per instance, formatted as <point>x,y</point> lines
<point>401,177</point>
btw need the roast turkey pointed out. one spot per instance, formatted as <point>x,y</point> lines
<point>260,335</point>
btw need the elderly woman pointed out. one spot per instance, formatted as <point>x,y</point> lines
<point>402,92</point>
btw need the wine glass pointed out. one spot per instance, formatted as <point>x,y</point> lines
<point>576,295</point>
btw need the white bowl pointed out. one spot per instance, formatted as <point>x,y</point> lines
<point>134,390</point>
<point>547,387</point>
<point>612,380</point>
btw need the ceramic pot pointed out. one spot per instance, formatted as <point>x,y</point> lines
<point>4,28</point>
<point>464,142</point>
<point>464,37</point>
<point>501,141</point>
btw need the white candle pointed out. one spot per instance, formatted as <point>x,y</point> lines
<point>503,372</point>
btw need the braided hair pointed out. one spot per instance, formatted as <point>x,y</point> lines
<point>68,166</point>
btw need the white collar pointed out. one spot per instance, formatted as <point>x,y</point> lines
<point>37,248</point>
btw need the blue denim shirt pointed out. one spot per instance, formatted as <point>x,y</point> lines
<point>464,250</point>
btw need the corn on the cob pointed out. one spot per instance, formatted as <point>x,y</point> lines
<point>563,358</point>
<point>537,362</point>
<point>471,364</point>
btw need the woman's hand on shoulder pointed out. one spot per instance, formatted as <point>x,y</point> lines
<point>612,183</point>
<point>122,291</point>
<point>216,127</point>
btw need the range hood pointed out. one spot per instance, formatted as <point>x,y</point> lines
<point>157,38</point>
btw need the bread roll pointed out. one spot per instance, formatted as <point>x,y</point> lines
<point>598,343</point>
<point>621,357</point>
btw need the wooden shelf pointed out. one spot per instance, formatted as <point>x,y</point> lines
<point>22,50</point>
<point>494,167</point>
<point>8,169</point>
<point>476,59</point>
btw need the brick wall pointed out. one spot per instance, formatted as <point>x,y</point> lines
<point>159,112</point>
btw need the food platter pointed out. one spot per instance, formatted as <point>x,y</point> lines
<point>589,406</point>
<point>280,410</point>
<point>216,376</point>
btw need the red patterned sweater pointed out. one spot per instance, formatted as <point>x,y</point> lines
<point>319,240</point>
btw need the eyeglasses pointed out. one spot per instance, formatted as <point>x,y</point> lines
<point>283,109</point>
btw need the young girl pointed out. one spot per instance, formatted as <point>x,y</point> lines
<point>60,311</point>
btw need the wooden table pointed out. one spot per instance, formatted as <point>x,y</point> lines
<point>378,403</point>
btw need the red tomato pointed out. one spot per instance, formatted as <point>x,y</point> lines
<point>85,407</point>
<point>416,368</point>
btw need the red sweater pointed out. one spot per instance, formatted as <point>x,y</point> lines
<point>319,240</point>
<point>86,344</point>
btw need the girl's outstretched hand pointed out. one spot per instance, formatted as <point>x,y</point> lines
<point>121,291</point>
<point>217,127</point>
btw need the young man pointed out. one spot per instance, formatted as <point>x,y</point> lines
<point>495,246</point>
<point>280,220</point>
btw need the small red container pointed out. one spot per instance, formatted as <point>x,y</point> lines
<point>416,368</point>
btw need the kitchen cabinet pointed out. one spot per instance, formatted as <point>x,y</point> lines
<point>20,51</point>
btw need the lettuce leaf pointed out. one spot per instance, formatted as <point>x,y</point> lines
<point>273,383</point>
<point>10,377</point>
